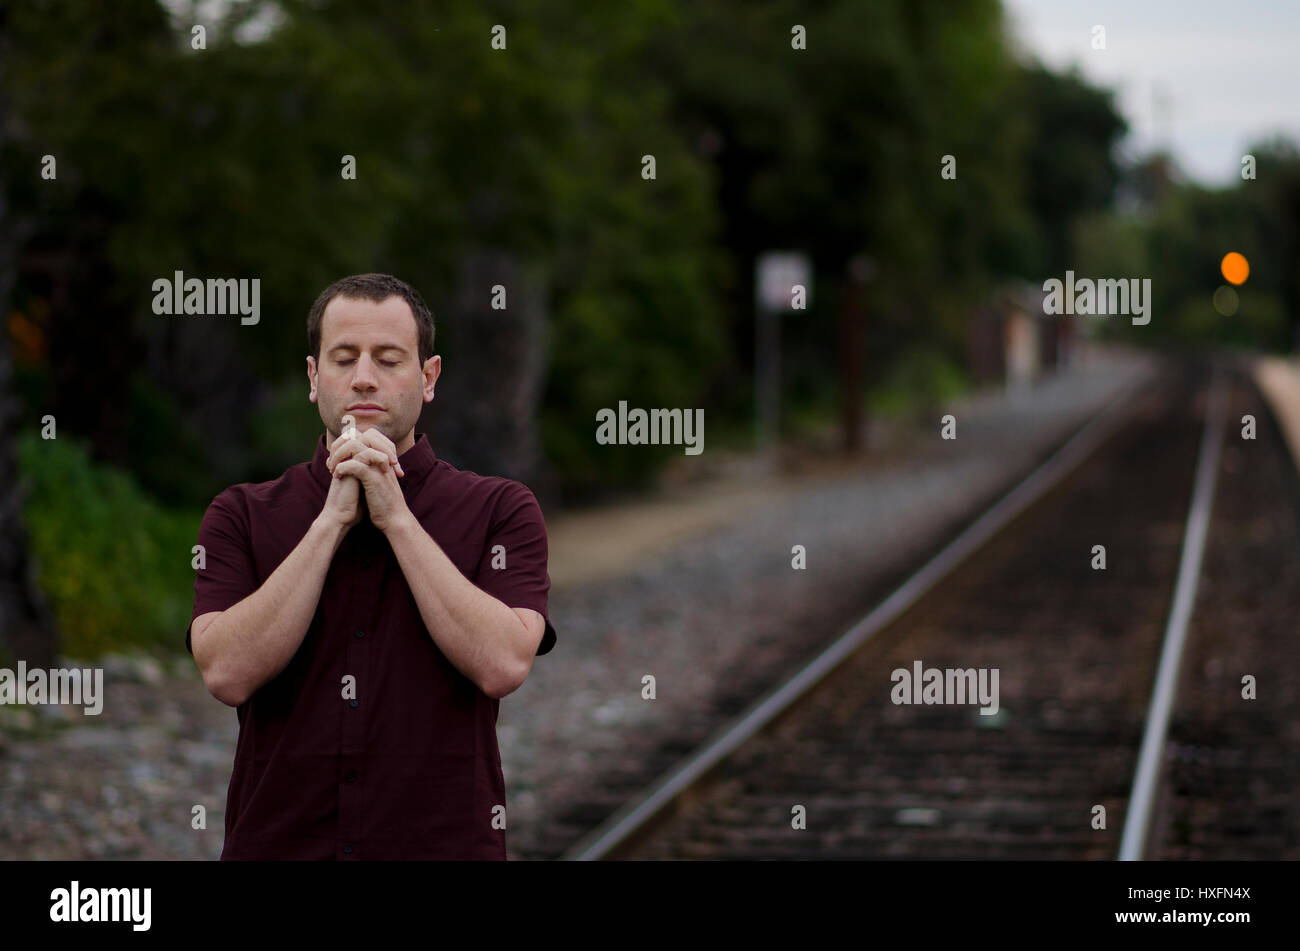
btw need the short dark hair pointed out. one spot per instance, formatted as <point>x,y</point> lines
<point>377,288</point>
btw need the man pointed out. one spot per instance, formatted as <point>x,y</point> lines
<point>367,610</point>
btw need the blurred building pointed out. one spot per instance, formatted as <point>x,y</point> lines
<point>1011,341</point>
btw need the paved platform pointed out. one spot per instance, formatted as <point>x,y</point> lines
<point>1279,379</point>
<point>998,426</point>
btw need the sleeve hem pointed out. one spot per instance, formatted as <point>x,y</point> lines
<point>548,638</point>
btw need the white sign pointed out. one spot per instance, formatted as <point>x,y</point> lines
<point>776,273</point>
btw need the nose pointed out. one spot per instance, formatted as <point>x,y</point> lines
<point>364,377</point>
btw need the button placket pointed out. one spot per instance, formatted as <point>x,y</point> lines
<point>357,659</point>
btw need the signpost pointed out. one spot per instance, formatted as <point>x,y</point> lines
<point>777,275</point>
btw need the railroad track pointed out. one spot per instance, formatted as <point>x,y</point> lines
<point>1231,768</point>
<point>830,766</point>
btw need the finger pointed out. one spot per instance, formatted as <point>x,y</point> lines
<point>374,457</point>
<point>378,440</point>
<point>343,450</point>
<point>371,458</point>
<point>347,429</point>
<point>351,467</point>
<point>361,443</point>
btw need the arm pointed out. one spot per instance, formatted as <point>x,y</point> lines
<point>487,641</point>
<point>241,648</point>
<point>490,643</point>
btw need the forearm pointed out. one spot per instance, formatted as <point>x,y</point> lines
<point>252,641</point>
<point>483,638</point>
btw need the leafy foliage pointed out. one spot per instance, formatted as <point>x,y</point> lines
<point>115,565</point>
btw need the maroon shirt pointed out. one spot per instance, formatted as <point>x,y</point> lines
<point>410,768</point>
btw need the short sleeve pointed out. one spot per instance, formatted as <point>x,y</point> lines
<point>227,575</point>
<point>513,566</point>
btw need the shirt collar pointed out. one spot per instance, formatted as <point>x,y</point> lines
<point>417,462</point>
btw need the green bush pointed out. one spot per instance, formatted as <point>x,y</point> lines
<point>921,380</point>
<point>115,566</point>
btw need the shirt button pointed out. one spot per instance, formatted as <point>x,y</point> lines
<point>360,633</point>
<point>354,703</point>
<point>365,561</point>
<point>350,776</point>
<point>347,850</point>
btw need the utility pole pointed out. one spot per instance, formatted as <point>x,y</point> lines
<point>852,332</point>
<point>782,282</point>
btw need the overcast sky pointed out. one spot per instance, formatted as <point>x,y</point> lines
<point>1205,77</point>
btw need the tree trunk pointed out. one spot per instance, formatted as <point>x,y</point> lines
<point>852,331</point>
<point>484,417</point>
<point>26,625</point>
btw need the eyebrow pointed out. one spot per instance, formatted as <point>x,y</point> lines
<point>352,346</point>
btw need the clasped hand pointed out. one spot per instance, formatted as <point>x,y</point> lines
<point>372,459</point>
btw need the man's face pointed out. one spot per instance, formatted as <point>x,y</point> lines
<point>370,368</point>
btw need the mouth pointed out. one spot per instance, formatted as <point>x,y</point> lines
<point>365,408</point>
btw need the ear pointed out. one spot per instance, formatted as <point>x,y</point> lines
<point>432,370</point>
<point>311,378</point>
